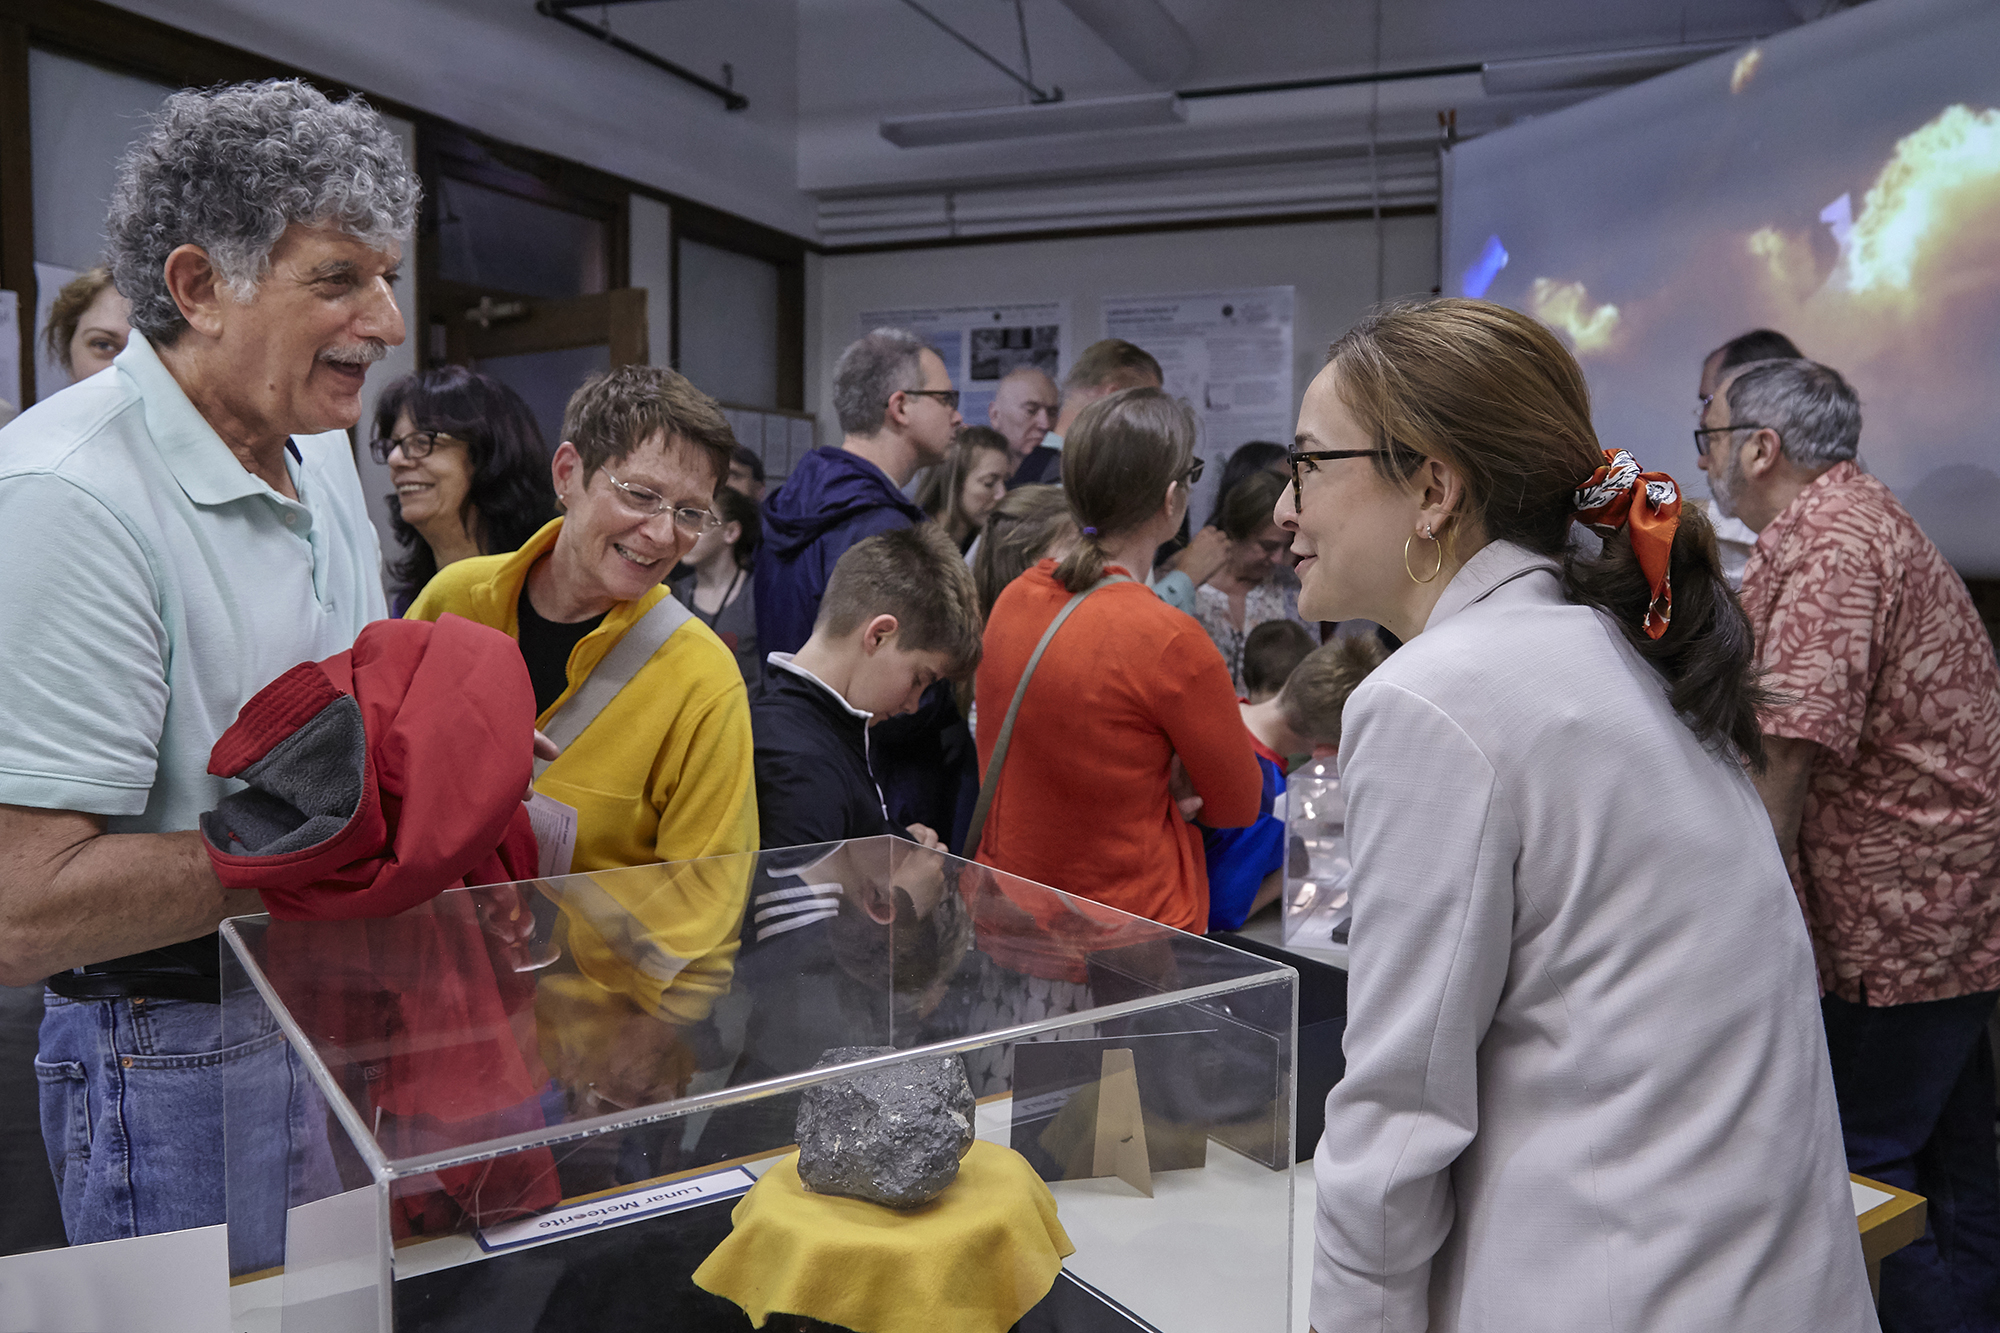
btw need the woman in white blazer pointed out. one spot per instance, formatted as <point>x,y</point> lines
<point>1586,1086</point>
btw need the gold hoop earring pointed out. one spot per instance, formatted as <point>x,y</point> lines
<point>1435,569</point>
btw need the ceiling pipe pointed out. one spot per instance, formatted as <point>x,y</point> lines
<point>559,10</point>
<point>1142,34</point>
<point>1040,95</point>
<point>1331,81</point>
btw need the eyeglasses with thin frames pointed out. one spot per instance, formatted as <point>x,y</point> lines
<point>1298,456</point>
<point>417,444</point>
<point>694,522</point>
<point>949,397</point>
<point>1702,433</point>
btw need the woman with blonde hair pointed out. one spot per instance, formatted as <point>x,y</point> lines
<point>1124,691</point>
<point>89,324</point>
<point>961,491</point>
<point>1586,1082</point>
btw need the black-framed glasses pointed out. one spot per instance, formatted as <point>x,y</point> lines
<point>949,397</point>
<point>417,444</point>
<point>1193,474</point>
<point>1701,434</point>
<point>694,522</point>
<point>1298,456</point>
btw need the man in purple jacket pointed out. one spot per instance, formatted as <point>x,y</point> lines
<point>899,411</point>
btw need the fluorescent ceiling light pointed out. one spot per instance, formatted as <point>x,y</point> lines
<point>1021,122</point>
<point>1592,69</point>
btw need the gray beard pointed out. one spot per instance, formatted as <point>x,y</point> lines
<point>1723,486</point>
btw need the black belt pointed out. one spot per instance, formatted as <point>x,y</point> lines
<point>137,984</point>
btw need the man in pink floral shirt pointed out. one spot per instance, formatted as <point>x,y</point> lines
<point>1884,791</point>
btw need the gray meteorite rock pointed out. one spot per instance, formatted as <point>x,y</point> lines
<point>891,1136</point>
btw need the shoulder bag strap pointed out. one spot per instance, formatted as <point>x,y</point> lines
<point>1000,742</point>
<point>633,650</point>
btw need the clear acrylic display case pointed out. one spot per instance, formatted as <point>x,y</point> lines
<point>515,1108</point>
<point>1317,912</point>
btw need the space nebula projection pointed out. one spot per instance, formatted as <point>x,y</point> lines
<point>1839,183</point>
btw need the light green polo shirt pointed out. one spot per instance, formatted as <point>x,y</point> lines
<point>149,585</point>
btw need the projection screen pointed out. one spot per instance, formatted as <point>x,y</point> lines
<point>1839,183</point>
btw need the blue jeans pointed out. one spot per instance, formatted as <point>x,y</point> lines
<point>132,1117</point>
<point>1915,1086</point>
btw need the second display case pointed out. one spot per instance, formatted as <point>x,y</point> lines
<point>516,1108</point>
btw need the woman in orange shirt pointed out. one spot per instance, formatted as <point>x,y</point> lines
<point>1126,685</point>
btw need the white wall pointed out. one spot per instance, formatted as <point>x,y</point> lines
<point>651,231</point>
<point>81,118</point>
<point>729,324</point>
<point>1331,264</point>
<point>499,67</point>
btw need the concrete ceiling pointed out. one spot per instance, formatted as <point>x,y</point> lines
<point>821,76</point>
<point>861,61</point>
<point>880,56</point>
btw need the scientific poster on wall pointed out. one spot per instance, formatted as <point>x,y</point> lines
<point>1229,354</point>
<point>982,343</point>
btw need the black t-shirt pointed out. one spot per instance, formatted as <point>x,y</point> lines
<point>545,647</point>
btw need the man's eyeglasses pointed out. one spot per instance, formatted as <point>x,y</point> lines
<point>1193,474</point>
<point>1702,433</point>
<point>1298,456</point>
<point>949,397</point>
<point>694,522</point>
<point>417,444</point>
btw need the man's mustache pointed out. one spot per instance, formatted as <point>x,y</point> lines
<point>364,353</point>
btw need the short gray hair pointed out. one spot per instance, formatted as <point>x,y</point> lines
<point>875,367</point>
<point>1814,411</point>
<point>229,168</point>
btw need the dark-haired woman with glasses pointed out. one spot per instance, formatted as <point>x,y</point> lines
<point>470,469</point>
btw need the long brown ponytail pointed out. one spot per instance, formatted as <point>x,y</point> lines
<point>1497,396</point>
<point>1120,455</point>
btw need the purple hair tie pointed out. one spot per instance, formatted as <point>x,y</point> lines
<point>1090,532</point>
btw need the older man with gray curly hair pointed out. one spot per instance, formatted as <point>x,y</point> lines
<point>177,532</point>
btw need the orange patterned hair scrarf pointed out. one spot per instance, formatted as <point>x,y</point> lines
<point>1648,505</point>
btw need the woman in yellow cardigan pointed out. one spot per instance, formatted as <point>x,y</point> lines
<point>662,772</point>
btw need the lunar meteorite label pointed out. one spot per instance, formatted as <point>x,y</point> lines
<point>613,1209</point>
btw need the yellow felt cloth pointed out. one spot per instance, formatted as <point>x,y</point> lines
<point>973,1260</point>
